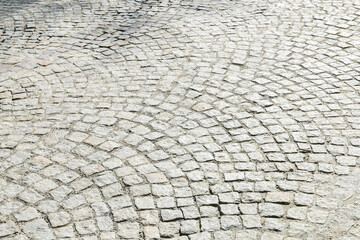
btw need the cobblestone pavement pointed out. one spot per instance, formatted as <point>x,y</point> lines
<point>180,119</point>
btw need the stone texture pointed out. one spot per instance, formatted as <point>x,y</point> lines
<point>179,119</point>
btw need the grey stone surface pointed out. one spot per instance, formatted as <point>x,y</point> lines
<point>207,119</point>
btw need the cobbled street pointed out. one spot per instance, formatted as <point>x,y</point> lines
<point>180,119</point>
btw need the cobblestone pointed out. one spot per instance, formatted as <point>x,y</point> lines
<point>157,119</point>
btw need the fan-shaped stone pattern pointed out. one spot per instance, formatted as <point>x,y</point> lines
<point>179,119</point>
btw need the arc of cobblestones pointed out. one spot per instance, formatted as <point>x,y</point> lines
<point>179,120</point>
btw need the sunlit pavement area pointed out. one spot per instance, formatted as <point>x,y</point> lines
<point>183,119</point>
